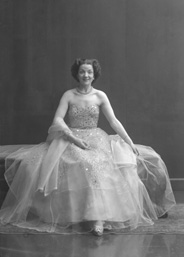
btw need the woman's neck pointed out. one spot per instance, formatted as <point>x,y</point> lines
<point>84,90</point>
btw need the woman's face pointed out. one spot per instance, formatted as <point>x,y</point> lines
<point>86,74</point>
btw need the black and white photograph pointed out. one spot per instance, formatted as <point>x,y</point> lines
<point>91,128</point>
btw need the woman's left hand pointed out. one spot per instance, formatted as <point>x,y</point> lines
<point>135,150</point>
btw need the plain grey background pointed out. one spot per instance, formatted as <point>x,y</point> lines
<point>140,45</point>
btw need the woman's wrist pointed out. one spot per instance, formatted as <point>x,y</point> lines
<point>128,141</point>
<point>68,135</point>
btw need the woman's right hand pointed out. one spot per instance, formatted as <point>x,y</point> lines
<point>82,144</point>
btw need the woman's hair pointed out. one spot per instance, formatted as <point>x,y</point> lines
<point>78,62</point>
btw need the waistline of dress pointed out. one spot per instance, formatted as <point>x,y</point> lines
<point>84,129</point>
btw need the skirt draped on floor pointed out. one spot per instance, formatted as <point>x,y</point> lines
<point>58,187</point>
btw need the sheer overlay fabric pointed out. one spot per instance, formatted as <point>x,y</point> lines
<point>58,187</point>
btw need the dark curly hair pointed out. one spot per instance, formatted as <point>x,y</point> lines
<point>78,62</point>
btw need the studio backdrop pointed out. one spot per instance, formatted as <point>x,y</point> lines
<point>140,45</point>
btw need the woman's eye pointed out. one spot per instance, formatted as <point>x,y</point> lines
<point>83,72</point>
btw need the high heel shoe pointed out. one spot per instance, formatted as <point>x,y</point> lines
<point>108,227</point>
<point>97,230</point>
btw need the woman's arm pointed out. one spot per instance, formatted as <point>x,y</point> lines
<point>60,124</point>
<point>113,121</point>
<point>61,112</point>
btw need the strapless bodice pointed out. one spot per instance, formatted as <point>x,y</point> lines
<point>83,117</point>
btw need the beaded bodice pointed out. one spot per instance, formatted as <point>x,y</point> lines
<point>83,117</point>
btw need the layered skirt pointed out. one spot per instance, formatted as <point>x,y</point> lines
<point>60,188</point>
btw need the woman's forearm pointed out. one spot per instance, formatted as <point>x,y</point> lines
<point>119,129</point>
<point>67,133</point>
<point>65,130</point>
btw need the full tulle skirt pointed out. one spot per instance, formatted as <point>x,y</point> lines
<point>58,187</point>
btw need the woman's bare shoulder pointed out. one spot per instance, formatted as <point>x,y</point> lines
<point>68,94</point>
<point>101,94</point>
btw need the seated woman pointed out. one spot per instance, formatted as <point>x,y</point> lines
<point>82,179</point>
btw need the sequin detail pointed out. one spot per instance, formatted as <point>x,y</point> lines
<point>83,117</point>
<point>95,163</point>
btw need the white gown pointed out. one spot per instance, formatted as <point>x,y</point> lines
<point>59,187</point>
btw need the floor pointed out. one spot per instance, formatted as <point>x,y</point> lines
<point>91,246</point>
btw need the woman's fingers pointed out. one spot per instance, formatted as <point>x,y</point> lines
<point>87,146</point>
<point>135,150</point>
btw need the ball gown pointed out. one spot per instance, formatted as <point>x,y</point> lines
<point>58,187</point>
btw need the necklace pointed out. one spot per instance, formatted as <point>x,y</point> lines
<point>84,93</point>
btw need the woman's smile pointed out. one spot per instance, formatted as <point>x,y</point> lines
<point>86,74</point>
